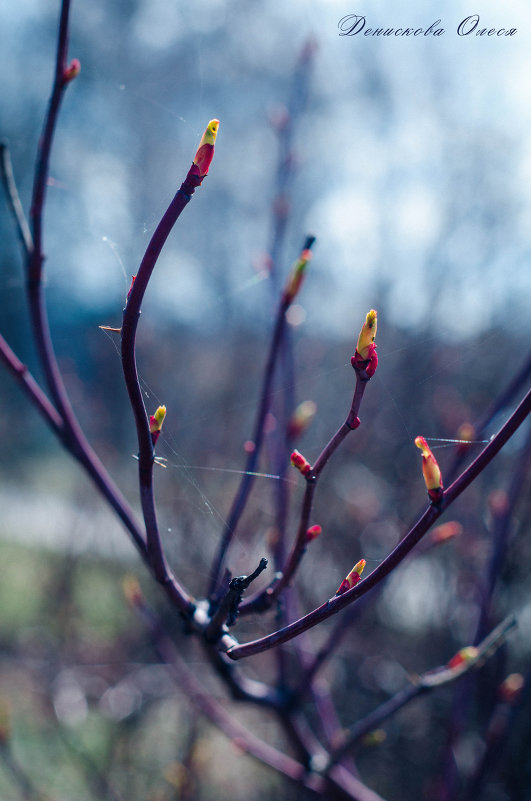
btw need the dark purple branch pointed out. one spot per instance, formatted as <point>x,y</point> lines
<point>464,694</point>
<point>73,436</point>
<point>500,534</point>
<point>507,396</point>
<point>215,712</point>
<point>396,556</point>
<point>266,598</point>
<point>247,480</point>
<point>502,726</point>
<point>31,389</point>
<point>517,383</point>
<point>131,317</point>
<point>332,642</point>
<point>241,687</point>
<point>338,785</point>
<point>45,146</point>
<point>38,398</point>
<point>13,198</point>
<point>285,173</point>
<point>343,624</point>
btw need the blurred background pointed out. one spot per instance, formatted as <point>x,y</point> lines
<point>409,159</point>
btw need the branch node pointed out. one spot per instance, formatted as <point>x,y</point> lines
<point>228,609</point>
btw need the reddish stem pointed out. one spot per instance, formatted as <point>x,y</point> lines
<point>265,598</point>
<point>31,388</point>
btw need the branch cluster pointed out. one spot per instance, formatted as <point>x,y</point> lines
<point>323,761</point>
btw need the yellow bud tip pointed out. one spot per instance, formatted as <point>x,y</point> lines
<point>156,421</point>
<point>376,737</point>
<point>359,567</point>
<point>160,414</point>
<point>353,577</point>
<point>463,657</point>
<point>209,136</point>
<point>212,130</point>
<point>421,443</point>
<point>372,320</point>
<point>205,151</point>
<point>367,333</point>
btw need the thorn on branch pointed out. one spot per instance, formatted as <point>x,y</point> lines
<point>237,587</point>
<point>227,611</point>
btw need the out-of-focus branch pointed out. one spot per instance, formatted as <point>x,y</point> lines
<point>502,522</point>
<point>62,78</point>
<point>506,397</point>
<point>286,122</point>
<point>13,199</point>
<point>266,598</point>
<point>335,786</point>
<point>31,389</point>
<point>465,660</point>
<point>247,480</point>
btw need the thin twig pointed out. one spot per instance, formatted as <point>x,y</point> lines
<point>45,145</point>
<point>336,785</point>
<point>266,598</point>
<point>285,172</point>
<point>247,479</point>
<point>131,317</point>
<point>422,684</point>
<point>500,535</point>
<point>31,389</point>
<point>73,437</point>
<point>463,696</point>
<point>506,397</point>
<point>13,199</point>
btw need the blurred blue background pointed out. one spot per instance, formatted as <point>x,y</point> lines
<point>412,160</point>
